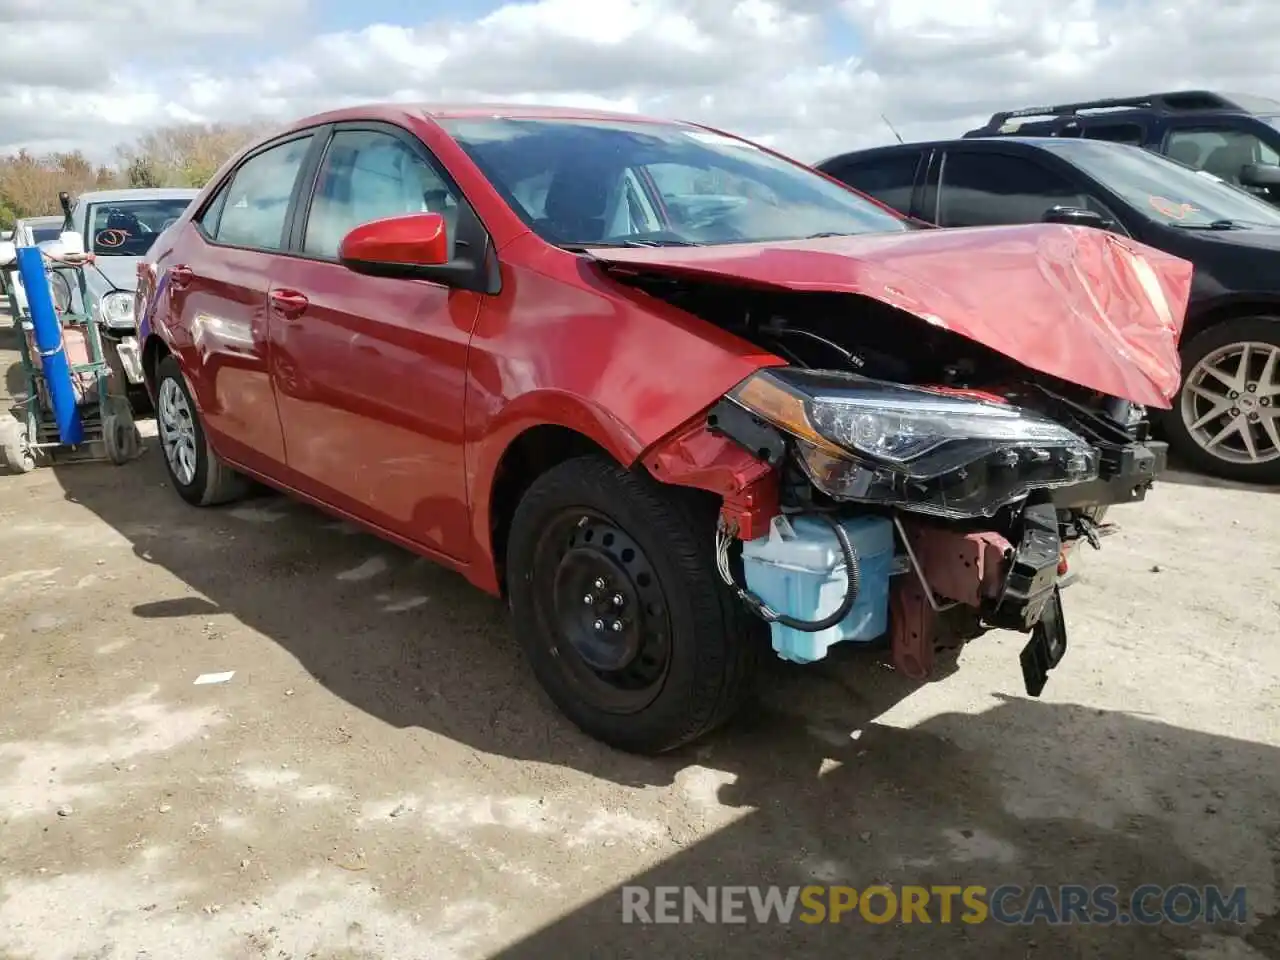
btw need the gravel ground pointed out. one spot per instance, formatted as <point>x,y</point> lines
<point>381,777</point>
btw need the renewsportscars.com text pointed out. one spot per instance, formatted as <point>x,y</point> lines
<point>1065,904</point>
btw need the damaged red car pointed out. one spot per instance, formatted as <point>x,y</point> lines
<point>674,397</point>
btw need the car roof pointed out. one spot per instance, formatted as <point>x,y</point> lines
<point>139,193</point>
<point>1116,109</point>
<point>399,112</point>
<point>1003,142</point>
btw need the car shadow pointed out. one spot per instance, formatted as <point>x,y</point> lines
<point>824,788</point>
<point>1180,473</point>
<point>1024,794</point>
<point>15,378</point>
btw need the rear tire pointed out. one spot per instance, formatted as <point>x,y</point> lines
<point>203,480</point>
<point>1216,347</point>
<point>593,545</point>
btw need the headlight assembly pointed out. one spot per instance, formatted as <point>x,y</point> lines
<point>115,310</point>
<point>876,442</point>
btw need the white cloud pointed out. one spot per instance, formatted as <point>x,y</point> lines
<point>765,68</point>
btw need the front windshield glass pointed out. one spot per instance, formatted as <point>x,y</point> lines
<point>128,228</point>
<point>1165,191</point>
<point>598,182</point>
<point>45,234</point>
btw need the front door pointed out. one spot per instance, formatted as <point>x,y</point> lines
<point>1224,148</point>
<point>217,279</point>
<point>984,187</point>
<point>370,372</point>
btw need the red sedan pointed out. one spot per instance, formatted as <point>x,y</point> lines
<point>676,397</point>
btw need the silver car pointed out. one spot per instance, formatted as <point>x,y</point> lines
<point>119,227</point>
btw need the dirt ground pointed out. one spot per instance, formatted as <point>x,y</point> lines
<point>381,777</point>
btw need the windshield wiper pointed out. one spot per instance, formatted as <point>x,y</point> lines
<point>583,247</point>
<point>1223,224</point>
<point>829,233</point>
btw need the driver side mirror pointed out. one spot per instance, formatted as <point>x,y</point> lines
<point>412,246</point>
<point>1260,175</point>
<point>1077,217</point>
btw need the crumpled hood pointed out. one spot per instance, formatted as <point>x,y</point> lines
<point>1077,303</point>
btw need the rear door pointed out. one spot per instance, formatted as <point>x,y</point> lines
<point>370,372</point>
<point>216,279</point>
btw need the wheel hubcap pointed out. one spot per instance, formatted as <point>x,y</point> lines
<point>601,602</point>
<point>1229,404</point>
<point>177,431</point>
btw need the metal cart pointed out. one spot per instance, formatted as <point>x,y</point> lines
<point>101,424</point>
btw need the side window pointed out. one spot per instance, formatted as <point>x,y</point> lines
<point>252,213</point>
<point>982,189</point>
<point>889,179</point>
<point>1131,133</point>
<point>369,175</point>
<point>208,220</point>
<point>1222,151</point>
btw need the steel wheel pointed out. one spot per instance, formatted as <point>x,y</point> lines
<point>177,431</point>
<point>1229,403</point>
<point>598,594</point>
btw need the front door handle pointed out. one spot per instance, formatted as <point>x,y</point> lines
<point>290,304</point>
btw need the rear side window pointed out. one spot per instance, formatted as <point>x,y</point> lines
<point>889,179</point>
<point>1130,133</point>
<point>984,189</point>
<point>251,210</point>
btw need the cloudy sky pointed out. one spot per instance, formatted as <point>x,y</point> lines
<point>809,76</point>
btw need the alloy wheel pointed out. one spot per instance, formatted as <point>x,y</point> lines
<point>1230,403</point>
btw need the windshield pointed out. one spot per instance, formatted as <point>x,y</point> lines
<point>45,234</point>
<point>1165,191</point>
<point>127,228</point>
<point>593,182</point>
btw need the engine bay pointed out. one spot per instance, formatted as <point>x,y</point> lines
<point>982,536</point>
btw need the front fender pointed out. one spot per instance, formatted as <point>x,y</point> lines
<point>539,408</point>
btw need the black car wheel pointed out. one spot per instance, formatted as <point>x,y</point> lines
<point>617,602</point>
<point>1226,419</point>
<point>194,469</point>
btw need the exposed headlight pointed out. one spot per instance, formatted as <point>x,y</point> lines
<point>115,310</point>
<point>876,442</point>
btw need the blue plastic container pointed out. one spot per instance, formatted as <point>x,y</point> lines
<point>798,570</point>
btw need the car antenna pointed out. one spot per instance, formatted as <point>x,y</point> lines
<point>890,126</point>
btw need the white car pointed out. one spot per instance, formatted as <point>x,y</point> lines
<point>118,228</point>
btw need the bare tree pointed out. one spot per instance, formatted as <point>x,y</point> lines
<point>184,155</point>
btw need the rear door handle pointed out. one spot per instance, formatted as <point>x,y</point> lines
<point>288,303</point>
<point>180,274</point>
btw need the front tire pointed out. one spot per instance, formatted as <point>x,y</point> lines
<point>1226,419</point>
<point>618,605</point>
<point>194,469</point>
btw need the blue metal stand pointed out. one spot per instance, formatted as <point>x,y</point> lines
<point>48,336</point>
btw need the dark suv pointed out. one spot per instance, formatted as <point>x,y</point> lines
<point>1226,419</point>
<point>1234,137</point>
